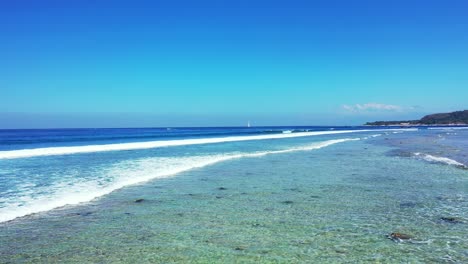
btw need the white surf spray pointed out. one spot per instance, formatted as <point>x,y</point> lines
<point>448,128</point>
<point>49,151</point>
<point>124,174</point>
<point>442,160</point>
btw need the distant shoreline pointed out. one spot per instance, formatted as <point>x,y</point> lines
<point>457,118</point>
<point>418,125</point>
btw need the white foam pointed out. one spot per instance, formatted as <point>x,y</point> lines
<point>372,136</point>
<point>124,174</point>
<point>437,159</point>
<point>25,153</point>
<point>447,128</point>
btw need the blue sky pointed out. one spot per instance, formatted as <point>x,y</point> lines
<point>210,63</point>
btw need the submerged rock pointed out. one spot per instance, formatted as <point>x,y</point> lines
<point>399,236</point>
<point>407,204</point>
<point>451,219</point>
<point>139,200</point>
<point>84,213</point>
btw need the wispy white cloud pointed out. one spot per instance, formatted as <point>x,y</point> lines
<point>374,107</point>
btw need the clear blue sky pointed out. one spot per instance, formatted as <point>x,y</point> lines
<point>209,63</point>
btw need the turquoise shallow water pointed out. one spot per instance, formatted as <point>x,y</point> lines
<point>335,204</point>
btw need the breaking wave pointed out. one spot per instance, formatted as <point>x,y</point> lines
<point>50,151</point>
<point>442,160</point>
<point>120,175</point>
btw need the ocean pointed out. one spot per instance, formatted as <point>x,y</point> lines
<point>234,195</point>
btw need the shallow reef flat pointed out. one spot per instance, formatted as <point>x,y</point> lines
<point>338,204</point>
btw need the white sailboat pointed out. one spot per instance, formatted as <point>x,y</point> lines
<point>248,123</point>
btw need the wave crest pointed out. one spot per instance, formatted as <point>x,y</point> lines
<point>51,151</point>
<point>124,174</point>
<point>443,160</point>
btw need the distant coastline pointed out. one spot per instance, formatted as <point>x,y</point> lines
<point>457,118</point>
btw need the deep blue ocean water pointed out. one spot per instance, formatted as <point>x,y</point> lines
<point>263,194</point>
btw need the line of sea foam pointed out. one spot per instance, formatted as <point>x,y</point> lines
<point>50,151</point>
<point>128,173</point>
<point>438,159</point>
<point>447,128</point>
